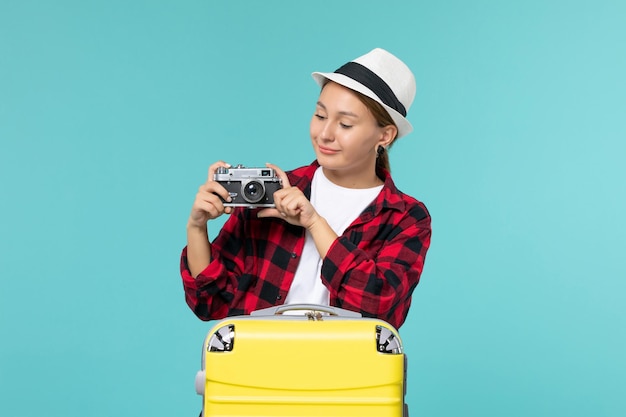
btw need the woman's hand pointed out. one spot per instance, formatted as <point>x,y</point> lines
<point>291,204</point>
<point>208,205</point>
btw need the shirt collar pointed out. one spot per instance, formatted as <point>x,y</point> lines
<point>388,198</point>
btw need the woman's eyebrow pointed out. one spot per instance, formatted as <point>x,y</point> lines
<point>343,113</point>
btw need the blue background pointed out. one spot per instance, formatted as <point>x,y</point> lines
<point>111,112</point>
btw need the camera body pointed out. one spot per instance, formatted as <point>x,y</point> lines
<point>249,187</point>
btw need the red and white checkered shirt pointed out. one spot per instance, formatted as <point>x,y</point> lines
<point>372,268</point>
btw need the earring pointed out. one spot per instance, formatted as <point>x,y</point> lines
<point>380,151</point>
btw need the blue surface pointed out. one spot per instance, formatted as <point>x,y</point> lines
<point>111,112</point>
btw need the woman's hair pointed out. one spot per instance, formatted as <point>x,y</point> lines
<point>383,119</point>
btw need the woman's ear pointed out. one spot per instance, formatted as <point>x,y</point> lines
<point>389,134</point>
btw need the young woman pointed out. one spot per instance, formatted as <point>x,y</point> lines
<point>341,234</point>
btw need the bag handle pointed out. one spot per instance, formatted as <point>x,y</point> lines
<point>278,310</point>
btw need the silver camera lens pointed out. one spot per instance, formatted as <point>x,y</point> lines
<point>253,191</point>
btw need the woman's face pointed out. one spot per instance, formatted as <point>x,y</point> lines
<point>345,134</point>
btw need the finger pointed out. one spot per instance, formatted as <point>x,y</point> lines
<point>215,190</point>
<point>289,205</point>
<point>214,167</point>
<point>281,194</point>
<point>289,195</point>
<point>213,206</point>
<point>207,200</point>
<point>293,207</point>
<point>213,195</point>
<point>205,210</point>
<point>281,174</point>
<point>269,212</point>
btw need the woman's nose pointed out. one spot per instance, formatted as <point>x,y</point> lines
<point>327,132</point>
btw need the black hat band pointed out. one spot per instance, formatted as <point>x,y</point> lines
<point>369,79</point>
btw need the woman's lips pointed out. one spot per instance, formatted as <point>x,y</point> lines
<point>327,151</point>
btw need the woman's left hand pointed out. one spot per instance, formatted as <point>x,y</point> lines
<point>291,204</point>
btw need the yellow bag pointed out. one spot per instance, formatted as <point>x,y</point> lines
<point>325,362</point>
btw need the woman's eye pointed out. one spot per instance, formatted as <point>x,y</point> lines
<point>345,126</point>
<point>319,116</point>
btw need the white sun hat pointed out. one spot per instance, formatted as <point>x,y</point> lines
<point>382,77</point>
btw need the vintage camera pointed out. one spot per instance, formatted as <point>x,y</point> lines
<point>249,187</point>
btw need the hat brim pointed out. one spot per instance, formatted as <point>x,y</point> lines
<point>404,127</point>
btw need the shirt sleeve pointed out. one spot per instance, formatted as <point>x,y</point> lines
<point>210,294</point>
<point>380,284</point>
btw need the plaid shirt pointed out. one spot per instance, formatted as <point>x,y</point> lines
<point>372,268</point>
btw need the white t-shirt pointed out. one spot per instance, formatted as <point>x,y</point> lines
<point>340,207</point>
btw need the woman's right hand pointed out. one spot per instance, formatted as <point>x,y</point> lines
<point>208,205</point>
